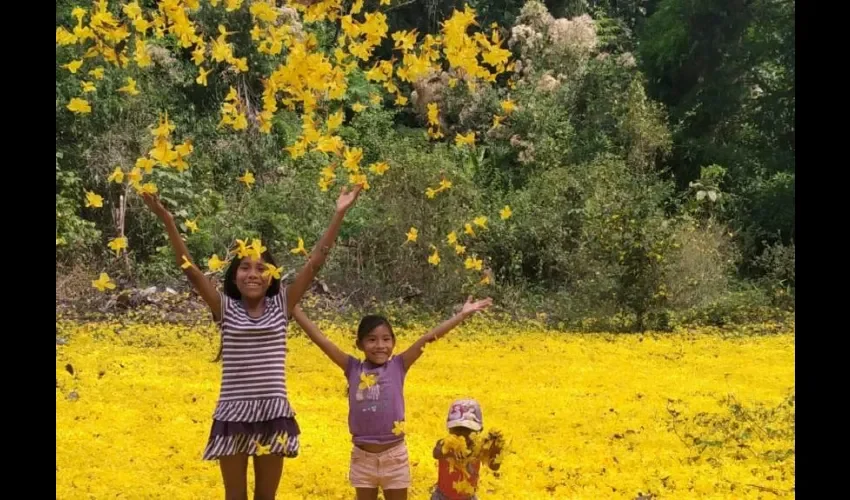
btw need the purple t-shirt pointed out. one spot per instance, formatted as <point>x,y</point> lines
<point>375,400</point>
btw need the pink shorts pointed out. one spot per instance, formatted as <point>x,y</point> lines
<point>389,469</point>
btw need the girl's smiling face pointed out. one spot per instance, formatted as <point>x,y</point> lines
<point>378,345</point>
<point>249,279</point>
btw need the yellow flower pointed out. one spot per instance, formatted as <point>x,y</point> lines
<point>231,5</point>
<point>379,168</point>
<point>117,176</point>
<point>300,248</point>
<point>147,188</point>
<point>468,139</point>
<point>473,263</point>
<point>434,258</point>
<point>164,128</point>
<point>463,487</point>
<point>97,73</point>
<point>185,149</point>
<point>508,106</point>
<point>412,235</point>
<point>366,380</point>
<point>297,150</point>
<point>88,86</point>
<point>481,221</point>
<point>358,108</point>
<point>452,238</point>
<point>460,249</point>
<point>215,264</point>
<point>248,179</point>
<point>353,157</point>
<point>130,88</point>
<point>243,250</point>
<point>186,263</point>
<point>454,445</point>
<point>78,105</point>
<point>505,213</point>
<point>262,450</point>
<point>256,249</point>
<point>467,228</point>
<point>398,427</point>
<point>73,66</point>
<point>118,244</point>
<point>335,121</point>
<point>359,180</point>
<point>433,114</point>
<point>147,164</point>
<point>272,272</point>
<point>202,76</point>
<point>93,200</point>
<point>103,283</point>
<point>192,225</point>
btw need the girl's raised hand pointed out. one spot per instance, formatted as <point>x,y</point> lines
<point>347,198</point>
<point>153,203</point>
<point>472,307</point>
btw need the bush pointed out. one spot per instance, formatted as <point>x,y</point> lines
<point>746,305</point>
<point>701,269</point>
<point>778,265</point>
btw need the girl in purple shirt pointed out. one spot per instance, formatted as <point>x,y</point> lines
<point>376,399</point>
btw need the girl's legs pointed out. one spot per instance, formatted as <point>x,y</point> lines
<point>234,471</point>
<point>395,494</point>
<point>267,472</point>
<point>367,493</point>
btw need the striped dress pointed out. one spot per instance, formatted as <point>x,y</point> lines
<point>253,409</point>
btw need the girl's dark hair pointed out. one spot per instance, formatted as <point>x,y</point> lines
<point>232,291</point>
<point>369,323</point>
<point>230,288</point>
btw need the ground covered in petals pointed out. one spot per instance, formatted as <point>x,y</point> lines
<point>684,415</point>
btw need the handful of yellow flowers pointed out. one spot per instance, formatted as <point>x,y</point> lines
<point>461,452</point>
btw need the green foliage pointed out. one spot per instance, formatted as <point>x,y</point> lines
<point>74,234</point>
<point>601,236</point>
<point>726,70</point>
<point>778,265</point>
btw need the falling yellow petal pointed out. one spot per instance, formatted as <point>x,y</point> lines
<point>215,264</point>
<point>468,139</point>
<point>117,176</point>
<point>434,258</point>
<point>73,66</point>
<point>103,283</point>
<point>130,88</point>
<point>93,200</point>
<point>192,225</point>
<point>78,105</point>
<point>505,213</point>
<point>118,244</point>
<point>248,179</point>
<point>379,168</point>
<point>300,248</point>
